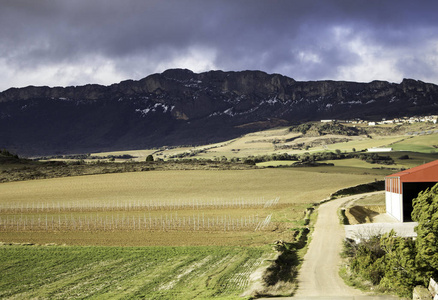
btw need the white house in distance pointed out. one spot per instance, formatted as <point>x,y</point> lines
<point>379,149</point>
<point>402,187</point>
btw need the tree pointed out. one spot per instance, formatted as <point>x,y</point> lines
<point>400,273</point>
<point>398,263</point>
<point>425,212</point>
<point>149,158</point>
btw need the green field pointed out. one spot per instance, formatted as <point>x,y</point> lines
<point>415,158</point>
<point>56,272</point>
<point>423,143</point>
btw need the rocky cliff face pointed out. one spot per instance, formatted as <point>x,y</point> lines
<point>181,107</point>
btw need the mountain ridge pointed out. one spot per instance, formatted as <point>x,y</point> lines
<point>180,107</point>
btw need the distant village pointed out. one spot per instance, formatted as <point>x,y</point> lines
<point>410,120</point>
<point>405,120</point>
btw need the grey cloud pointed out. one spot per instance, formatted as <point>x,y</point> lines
<point>244,34</point>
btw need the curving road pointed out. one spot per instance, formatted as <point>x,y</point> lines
<point>319,274</point>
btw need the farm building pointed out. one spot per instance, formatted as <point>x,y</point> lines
<point>379,149</point>
<point>402,187</point>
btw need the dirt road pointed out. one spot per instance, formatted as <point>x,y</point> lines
<point>319,272</point>
<point>318,277</point>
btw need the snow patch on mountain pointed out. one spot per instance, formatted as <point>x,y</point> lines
<point>157,107</point>
<point>230,112</point>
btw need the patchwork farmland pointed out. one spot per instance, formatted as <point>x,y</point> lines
<point>222,222</point>
<point>175,234</point>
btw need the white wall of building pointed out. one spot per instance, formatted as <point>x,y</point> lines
<point>394,205</point>
<point>379,149</point>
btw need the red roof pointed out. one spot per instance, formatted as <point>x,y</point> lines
<point>424,173</point>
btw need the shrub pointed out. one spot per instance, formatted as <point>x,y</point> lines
<point>399,264</point>
<point>425,212</point>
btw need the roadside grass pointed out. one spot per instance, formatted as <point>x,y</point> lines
<point>127,272</point>
<point>356,282</point>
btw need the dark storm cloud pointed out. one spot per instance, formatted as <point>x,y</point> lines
<point>74,42</point>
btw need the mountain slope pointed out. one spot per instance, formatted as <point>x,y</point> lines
<point>181,107</point>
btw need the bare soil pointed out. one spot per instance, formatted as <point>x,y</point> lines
<point>366,209</point>
<point>359,214</point>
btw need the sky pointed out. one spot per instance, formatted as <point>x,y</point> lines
<point>66,42</point>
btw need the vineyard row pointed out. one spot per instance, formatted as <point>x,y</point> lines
<point>135,205</point>
<point>112,223</point>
